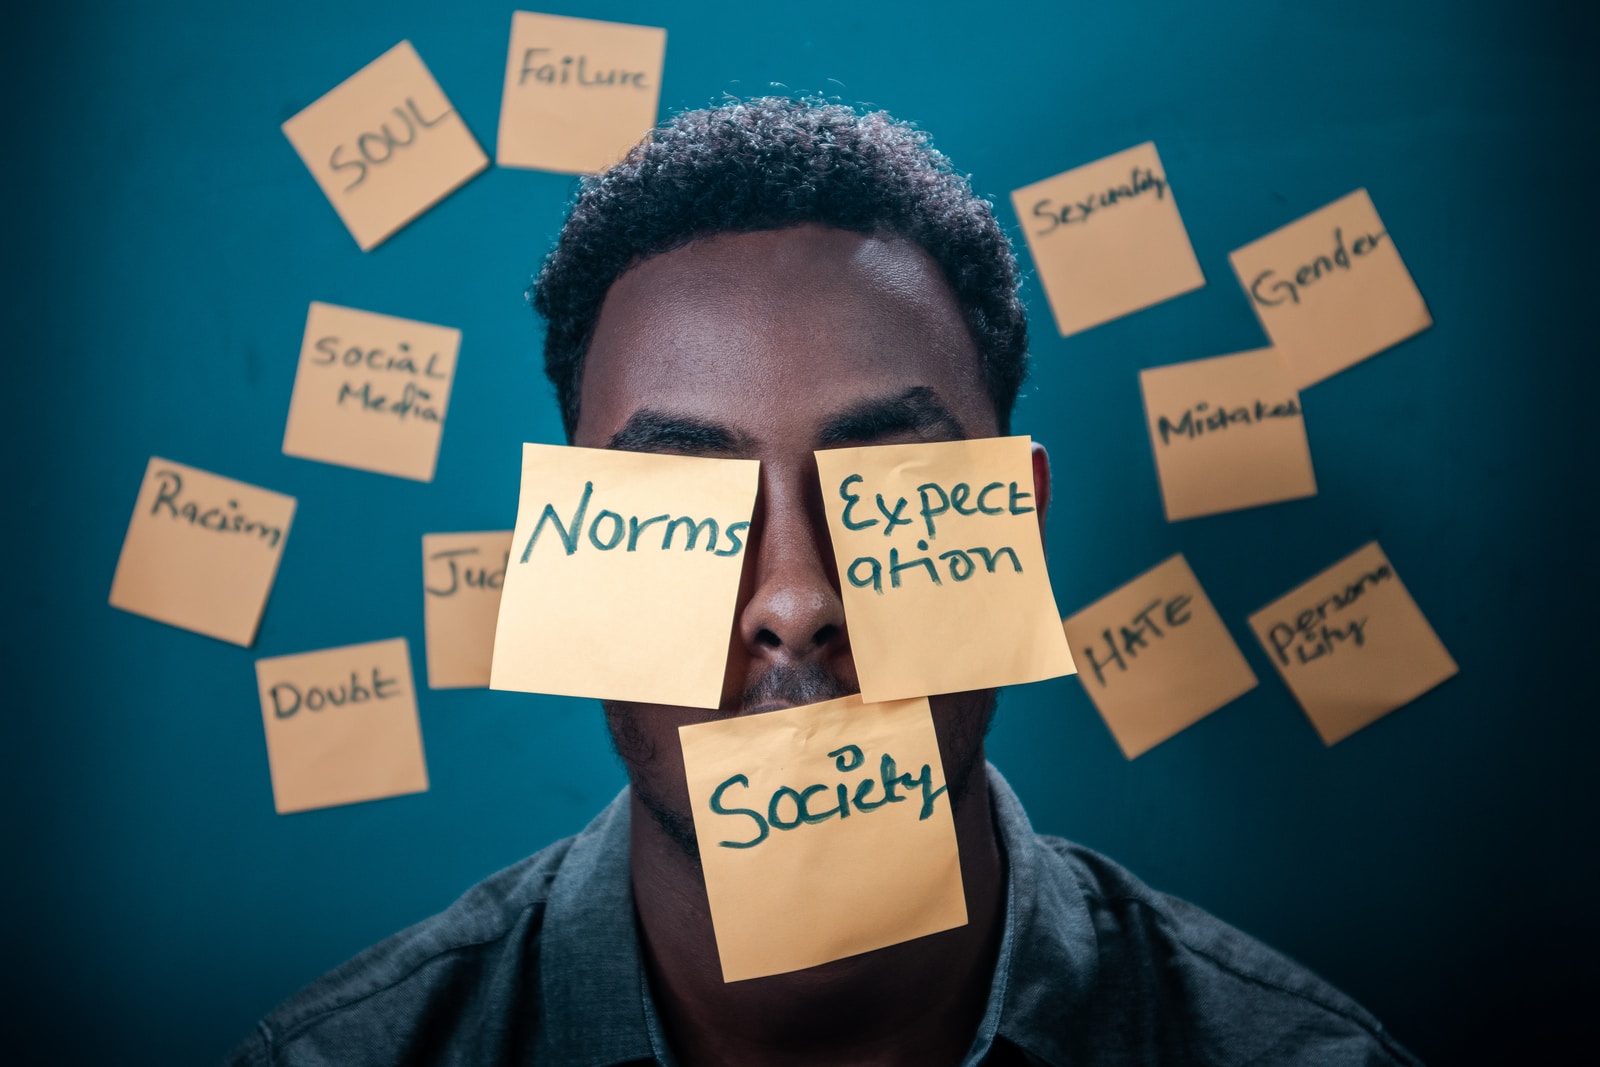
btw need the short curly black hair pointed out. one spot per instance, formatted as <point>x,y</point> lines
<point>766,164</point>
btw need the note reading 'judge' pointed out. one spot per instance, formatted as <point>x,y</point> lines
<point>462,574</point>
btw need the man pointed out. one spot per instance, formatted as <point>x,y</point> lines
<point>762,280</point>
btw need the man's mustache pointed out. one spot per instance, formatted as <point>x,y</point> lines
<point>794,684</point>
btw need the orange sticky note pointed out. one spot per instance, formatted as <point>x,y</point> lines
<point>1107,239</point>
<point>341,725</point>
<point>371,391</point>
<point>201,551</point>
<point>1351,644</point>
<point>385,145</point>
<point>1155,657</point>
<point>824,831</point>
<point>578,92</point>
<point>1330,289</point>
<point>1227,434</point>
<point>462,574</point>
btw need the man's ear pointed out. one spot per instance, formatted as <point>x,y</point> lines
<point>1041,484</point>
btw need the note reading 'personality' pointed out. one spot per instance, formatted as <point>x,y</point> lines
<point>201,551</point>
<point>462,575</point>
<point>1330,289</point>
<point>385,145</point>
<point>624,575</point>
<point>1227,434</point>
<point>1155,657</point>
<point>341,725</point>
<point>824,831</point>
<point>1107,239</point>
<point>1352,645</point>
<point>941,566</point>
<point>578,92</point>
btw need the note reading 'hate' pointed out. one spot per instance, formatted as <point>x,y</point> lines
<point>462,574</point>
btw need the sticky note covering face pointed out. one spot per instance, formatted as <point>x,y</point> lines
<point>1330,289</point>
<point>385,145</point>
<point>1107,239</point>
<point>578,92</point>
<point>462,575</point>
<point>1155,657</point>
<point>1352,645</point>
<point>201,551</point>
<point>371,391</point>
<point>941,566</point>
<point>824,831</point>
<point>624,574</point>
<point>1227,434</point>
<point>341,725</point>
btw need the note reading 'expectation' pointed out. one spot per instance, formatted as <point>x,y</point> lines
<point>824,831</point>
<point>385,145</point>
<point>462,574</point>
<point>201,551</point>
<point>623,576</point>
<point>1352,645</point>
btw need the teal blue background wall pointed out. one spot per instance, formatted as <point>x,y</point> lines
<point>163,242</point>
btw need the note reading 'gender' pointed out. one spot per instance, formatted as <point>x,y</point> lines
<point>462,575</point>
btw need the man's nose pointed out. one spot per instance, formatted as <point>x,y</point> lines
<point>794,613</point>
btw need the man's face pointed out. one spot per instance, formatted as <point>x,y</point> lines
<point>769,346</point>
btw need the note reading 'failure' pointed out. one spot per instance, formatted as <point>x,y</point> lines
<point>1227,434</point>
<point>824,831</point>
<point>1330,289</point>
<point>578,92</point>
<point>1352,645</point>
<point>341,725</point>
<point>1107,239</point>
<point>1155,657</point>
<point>462,574</point>
<point>385,145</point>
<point>624,574</point>
<point>201,551</point>
<point>941,566</point>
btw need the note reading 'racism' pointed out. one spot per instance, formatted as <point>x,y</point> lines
<point>462,574</point>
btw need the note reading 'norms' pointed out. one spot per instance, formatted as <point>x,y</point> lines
<point>462,575</point>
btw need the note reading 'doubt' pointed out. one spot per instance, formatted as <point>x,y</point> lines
<point>623,576</point>
<point>1227,433</point>
<point>341,725</point>
<point>824,831</point>
<point>371,391</point>
<point>201,551</point>
<point>1107,239</point>
<point>578,92</point>
<point>1155,657</point>
<point>462,575</point>
<point>1330,289</point>
<point>1352,645</point>
<point>941,566</point>
<point>385,145</point>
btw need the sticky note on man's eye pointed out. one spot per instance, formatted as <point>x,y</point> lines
<point>1330,289</point>
<point>624,575</point>
<point>462,575</point>
<point>824,831</point>
<point>341,725</point>
<point>201,551</point>
<point>371,391</point>
<point>1227,433</point>
<point>941,566</point>
<point>1155,657</point>
<point>578,92</point>
<point>1352,645</point>
<point>385,145</point>
<point>1107,239</point>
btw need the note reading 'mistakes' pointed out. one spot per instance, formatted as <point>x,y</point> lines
<point>941,566</point>
<point>1155,657</point>
<point>341,725</point>
<point>824,832</point>
<point>578,92</point>
<point>1352,645</point>
<point>201,551</point>
<point>462,574</point>
<point>1107,239</point>
<point>1227,434</point>
<point>1330,289</point>
<point>385,145</point>
<point>623,576</point>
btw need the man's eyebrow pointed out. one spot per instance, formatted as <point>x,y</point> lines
<point>658,431</point>
<point>918,410</point>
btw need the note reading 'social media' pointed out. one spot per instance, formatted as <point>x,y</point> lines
<point>824,831</point>
<point>462,575</point>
